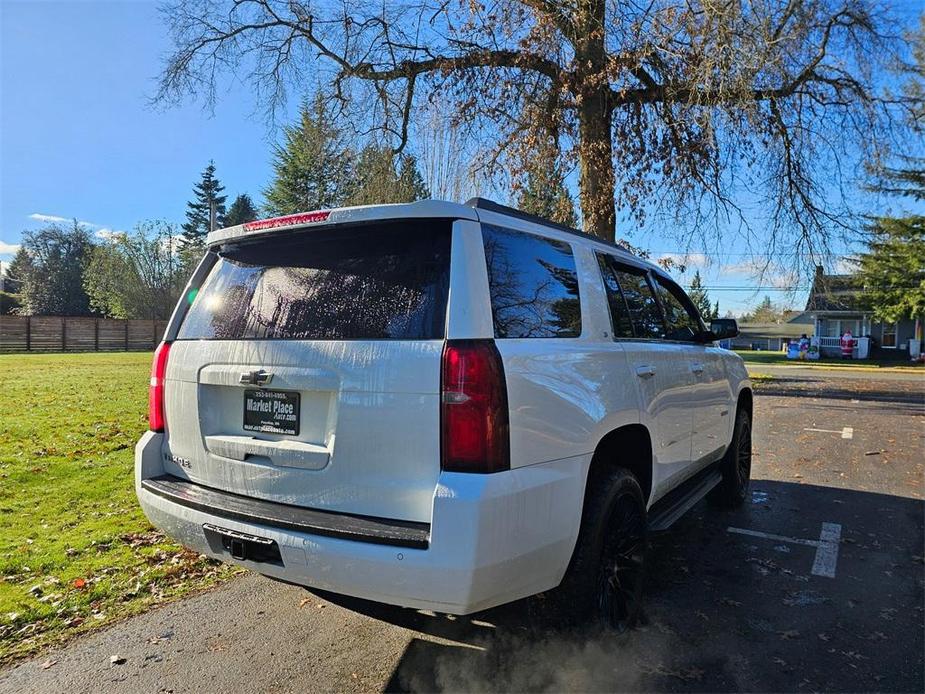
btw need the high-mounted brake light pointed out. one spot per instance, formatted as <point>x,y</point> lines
<point>475,434</point>
<point>156,391</point>
<point>288,220</point>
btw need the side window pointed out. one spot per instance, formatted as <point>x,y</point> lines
<point>619,313</point>
<point>643,308</point>
<point>533,283</point>
<point>680,315</point>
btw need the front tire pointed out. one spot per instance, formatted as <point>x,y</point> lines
<point>604,581</point>
<point>736,465</point>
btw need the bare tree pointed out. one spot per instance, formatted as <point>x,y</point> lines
<point>669,107</point>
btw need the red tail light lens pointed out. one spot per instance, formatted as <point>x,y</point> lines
<point>475,435</point>
<point>156,391</point>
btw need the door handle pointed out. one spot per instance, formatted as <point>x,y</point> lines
<point>645,371</point>
<point>697,368</point>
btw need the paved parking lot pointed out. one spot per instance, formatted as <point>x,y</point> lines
<point>816,584</point>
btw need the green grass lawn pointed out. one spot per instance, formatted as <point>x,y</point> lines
<point>76,552</point>
<point>754,357</point>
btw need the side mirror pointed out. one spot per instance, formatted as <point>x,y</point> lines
<point>723,328</point>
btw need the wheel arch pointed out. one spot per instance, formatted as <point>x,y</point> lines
<point>745,400</point>
<point>628,446</point>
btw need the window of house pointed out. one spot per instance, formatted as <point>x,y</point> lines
<point>640,300</point>
<point>889,335</point>
<point>533,284</point>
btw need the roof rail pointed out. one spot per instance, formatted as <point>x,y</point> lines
<point>492,206</point>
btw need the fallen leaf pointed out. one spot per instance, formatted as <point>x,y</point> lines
<point>790,634</point>
<point>303,602</point>
<point>79,583</point>
<point>48,663</point>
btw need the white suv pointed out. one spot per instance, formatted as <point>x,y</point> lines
<point>438,406</point>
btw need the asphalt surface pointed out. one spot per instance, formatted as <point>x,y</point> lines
<point>751,599</point>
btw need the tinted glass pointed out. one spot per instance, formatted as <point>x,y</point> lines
<point>387,281</point>
<point>643,308</point>
<point>619,314</point>
<point>680,315</point>
<point>534,285</point>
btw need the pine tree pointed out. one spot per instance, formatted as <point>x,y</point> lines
<point>700,297</point>
<point>311,167</point>
<point>715,310</point>
<point>544,192</point>
<point>16,271</point>
<point>377,180</point>
<point>207,193</point>
<point>242,210</point>
<point>411,180</point>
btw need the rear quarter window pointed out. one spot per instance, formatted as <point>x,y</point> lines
<point>382,281</point>
<point>533,284</point>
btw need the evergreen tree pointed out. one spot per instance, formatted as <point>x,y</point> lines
<point>544,192</point>
<point>377,179</point>
<point>311,167</point>
<point>410,179</point>
<point>52,285</point>
<point>715,310</point>
<point>765,312</point>
<point>16,270</point>
<point>893,268</point>
<point>242,210</point>
<point>207,193</point>
<point>701,299</point>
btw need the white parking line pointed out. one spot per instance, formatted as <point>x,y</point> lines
<point>826,546</point>
<point>827,551</point>
<point>846,432</point>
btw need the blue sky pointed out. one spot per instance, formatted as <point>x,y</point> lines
<point>79,138</point>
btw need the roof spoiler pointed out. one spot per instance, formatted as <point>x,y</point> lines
<point>492,206</point>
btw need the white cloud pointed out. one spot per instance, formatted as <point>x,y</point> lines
<point>39,217</point>
<point>109,234</point>
<point>8,248</point>
<point>690,261</point>
<point>53,218</point>
<point>845,266</point>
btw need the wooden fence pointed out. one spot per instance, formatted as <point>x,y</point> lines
<point>72,334</point>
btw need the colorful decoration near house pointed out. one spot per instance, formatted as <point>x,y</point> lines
<point>847,345</point>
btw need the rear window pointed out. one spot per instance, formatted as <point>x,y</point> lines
<point>384,281</point>
<point>533,283</point>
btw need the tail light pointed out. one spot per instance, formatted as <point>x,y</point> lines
<point>156,391</point>
<point>475,435</point>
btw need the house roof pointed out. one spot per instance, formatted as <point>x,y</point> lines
<point>834,293</point>
<point>784,329</point>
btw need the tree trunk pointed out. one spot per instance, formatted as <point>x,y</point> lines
<point>595,141</point>
<point>596,182</point>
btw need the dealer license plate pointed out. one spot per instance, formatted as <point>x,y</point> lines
<point>271,411</point>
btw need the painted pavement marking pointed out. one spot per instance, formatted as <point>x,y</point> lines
<point>846,432</point>
<point>826,546</point>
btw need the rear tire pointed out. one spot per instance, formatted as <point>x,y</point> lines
<point>736,465</point>
<point>604,581</point>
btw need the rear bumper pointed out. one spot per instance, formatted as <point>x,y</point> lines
<point>493,538</point>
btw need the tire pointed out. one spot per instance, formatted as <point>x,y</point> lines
<point>603,584</point>
<point>736,466</point>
